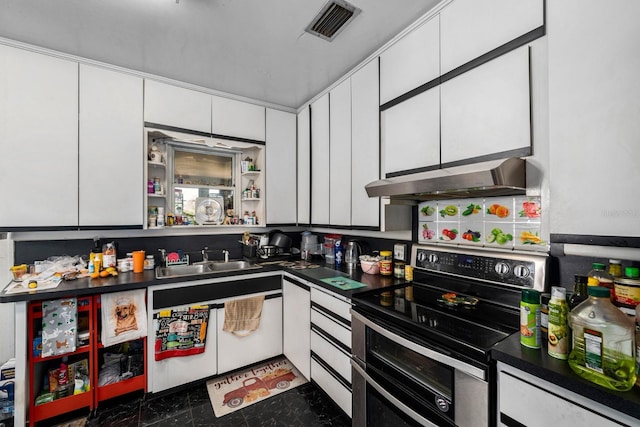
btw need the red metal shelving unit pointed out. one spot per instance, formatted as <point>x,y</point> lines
<point>123,387</point>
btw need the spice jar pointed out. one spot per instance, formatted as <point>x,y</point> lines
<point>398,270</point>
<point>149,263</point>
<point>386,265</point>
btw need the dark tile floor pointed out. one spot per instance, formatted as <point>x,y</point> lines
<point>305,405</point>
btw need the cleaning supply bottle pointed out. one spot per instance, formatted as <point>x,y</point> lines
<point>603,342</point>
<point>558,327</point>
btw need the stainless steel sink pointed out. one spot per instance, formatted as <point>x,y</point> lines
<point>203,268</point>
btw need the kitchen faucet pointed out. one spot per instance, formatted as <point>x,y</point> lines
<point>226,255</point>
<point>205,255</point>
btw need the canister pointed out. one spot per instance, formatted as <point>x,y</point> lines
<point>530,319</point>
<point>398,270</point>
<point>626,290</point>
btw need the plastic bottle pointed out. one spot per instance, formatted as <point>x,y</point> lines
<point>638,345</point>
<point>558,327</point>
<point>530,318</point>
<point>599,277</point>
<point>579,291</point>
<point>615,268</point>
<point>603,340</point>
<point>95,257</point>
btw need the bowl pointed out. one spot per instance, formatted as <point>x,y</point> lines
<point>370,267</point>
<point>19,271</point>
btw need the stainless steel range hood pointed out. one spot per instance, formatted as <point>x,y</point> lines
<point>504,177</point>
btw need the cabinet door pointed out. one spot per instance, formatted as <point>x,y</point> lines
<point>237,119</point>
<point>593,127</point>
<point>469,29</point>
<point>177,371</point>
<point>170,105</point>
<point>304,166</point>
<point>281,167</point>
<point>516,398</point>
<point>296,306</point>
<point>486,111</point>
<point>411,133</point>
<point>411,61</point>
<point>320,161</point>
<point>340,154</point>
<point>39,133</point>
<point>111,157</point>
<point>365,145</point>
<point>235,351</point>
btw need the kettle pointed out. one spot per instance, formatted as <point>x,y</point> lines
<point>352,253</point>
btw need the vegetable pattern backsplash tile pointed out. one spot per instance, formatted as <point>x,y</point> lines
<point>501,222</point>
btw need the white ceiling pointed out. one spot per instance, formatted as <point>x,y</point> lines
<point>252,48</point>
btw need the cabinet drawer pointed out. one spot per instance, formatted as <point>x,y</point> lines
<point>336,390</point>
<point>330,353</point>
<point>333,304</point>
<point>331,327</point>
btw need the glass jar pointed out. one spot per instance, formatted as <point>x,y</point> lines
<point>603,339</point>
<point>398,270</point>
<point>386,263</point>
<point>149,263</point>
<point>615,268</point>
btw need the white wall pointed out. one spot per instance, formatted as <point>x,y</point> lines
<point>7,349</point>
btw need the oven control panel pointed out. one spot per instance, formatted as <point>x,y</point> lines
<point>522,270</point>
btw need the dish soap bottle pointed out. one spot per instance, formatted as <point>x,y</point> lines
<point>603,339</point>
<point>558,327</point>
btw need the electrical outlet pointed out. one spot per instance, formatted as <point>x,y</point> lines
<point>400,252</point>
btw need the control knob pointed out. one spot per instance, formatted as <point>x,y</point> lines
<point>521,271</point>
<point>422,256</point>
<point>433,258</point>
<point>501,268</point>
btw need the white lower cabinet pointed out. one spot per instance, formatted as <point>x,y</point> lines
<point>526,400</point>
<point>236,350</point>
<point>296,325</point>
<point>331,346</point>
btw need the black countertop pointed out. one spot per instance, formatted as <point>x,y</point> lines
<point>129,281</point>
<point>539,364</point>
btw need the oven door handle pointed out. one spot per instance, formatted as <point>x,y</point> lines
<point>427,352</point>
<point>394,401</point>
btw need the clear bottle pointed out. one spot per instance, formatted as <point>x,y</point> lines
<point>599,277</point>
<point>603,340</point>
<point>615,268</point>
<point>579,291</point>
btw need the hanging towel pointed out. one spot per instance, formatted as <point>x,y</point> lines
<point>242,316</point>
<point>59,323</point>
<point>124,317</point>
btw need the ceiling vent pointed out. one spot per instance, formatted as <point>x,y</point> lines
<point>331,19</point>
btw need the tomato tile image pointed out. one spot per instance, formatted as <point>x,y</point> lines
<point>528,209</point>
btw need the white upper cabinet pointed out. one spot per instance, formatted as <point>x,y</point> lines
<point>304,166</point>
<point>175,106</point>
<point>411,133</point>
<point>487,110</point>
<point>340,154</point>
<point>411,61</point>
<point>320,161</point>
<point>237,119</point>
<point>111,133</point>
<point>365,145</point>
<point>471,28</point>
<point>281,167</point>
<point>594,131</point>
<point>39,136</point>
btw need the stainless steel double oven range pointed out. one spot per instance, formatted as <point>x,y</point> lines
<point>424,359</point>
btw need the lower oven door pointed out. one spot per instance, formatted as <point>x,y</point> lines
<point>397,381</point>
